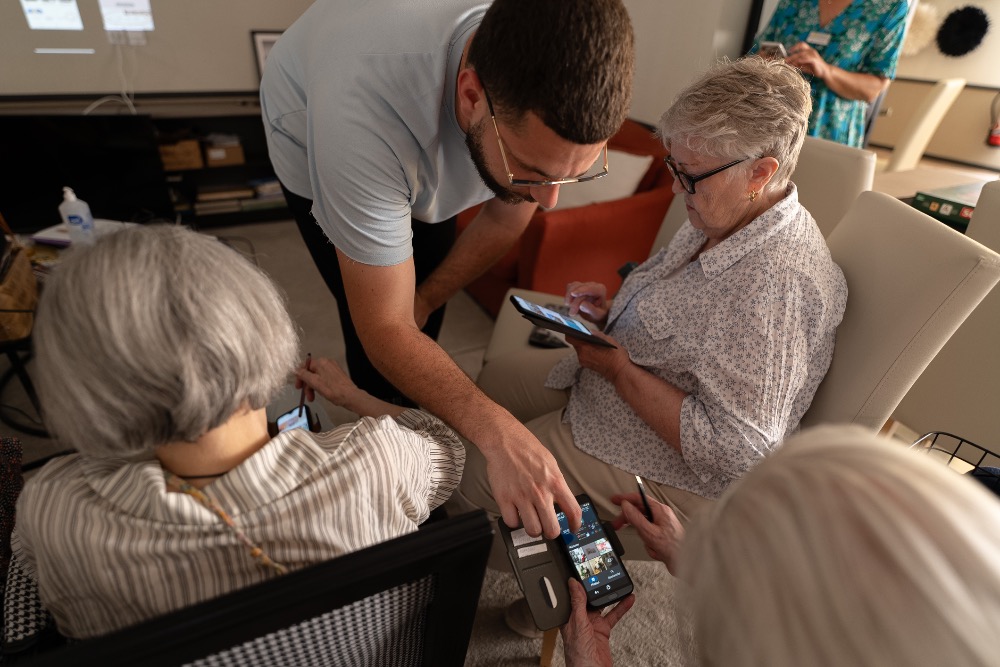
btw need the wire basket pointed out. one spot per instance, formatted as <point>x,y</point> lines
<point>963,456</point>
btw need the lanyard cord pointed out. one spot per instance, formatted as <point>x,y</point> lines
<point>178,484</point>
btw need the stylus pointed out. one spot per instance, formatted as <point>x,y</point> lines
<point>302,396</point>
<point>645,503</point>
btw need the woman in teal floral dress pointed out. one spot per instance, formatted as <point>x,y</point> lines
<point>848,49</point>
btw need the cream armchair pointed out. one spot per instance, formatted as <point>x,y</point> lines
<point>912,281</point>
<point>830,176</point>
<point>959,390</point>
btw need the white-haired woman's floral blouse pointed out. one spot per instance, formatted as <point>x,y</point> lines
<point>747,330</point>
<point>866,37</point>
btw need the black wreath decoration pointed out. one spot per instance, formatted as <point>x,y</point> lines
<point>962,31</point>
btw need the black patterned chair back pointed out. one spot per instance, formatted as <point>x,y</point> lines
<point>407,602</point>
<point>11,482</point>
<point>25,626</point>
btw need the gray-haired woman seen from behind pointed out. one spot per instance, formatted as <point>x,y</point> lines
<point>157,350</point>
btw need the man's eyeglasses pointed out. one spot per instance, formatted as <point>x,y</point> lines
<point>687,180</point>
<point>527,183</point>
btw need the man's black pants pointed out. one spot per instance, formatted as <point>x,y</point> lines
<point>431,243</point>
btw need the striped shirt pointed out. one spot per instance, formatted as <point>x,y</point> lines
<point>110,546</point>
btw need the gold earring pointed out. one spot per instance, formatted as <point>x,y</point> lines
<point>752,196</point>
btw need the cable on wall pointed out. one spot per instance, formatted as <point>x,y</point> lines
<point>126,92</point>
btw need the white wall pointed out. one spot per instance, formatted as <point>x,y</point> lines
<point>980,67</point>
<point>676,40</point>
<point>197,46</point>
<point>204,46</point>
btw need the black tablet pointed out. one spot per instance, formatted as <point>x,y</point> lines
<point>550,319</point>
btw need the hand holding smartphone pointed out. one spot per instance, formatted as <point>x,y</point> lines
<point>297,417</point>
<point>772,50</point>
<point>592,559</point>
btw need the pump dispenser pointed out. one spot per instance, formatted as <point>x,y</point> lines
<point>77,218</point>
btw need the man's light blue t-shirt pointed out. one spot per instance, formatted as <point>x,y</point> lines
<point>358,101</point>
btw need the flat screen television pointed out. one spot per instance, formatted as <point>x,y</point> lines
<point>111,162</point>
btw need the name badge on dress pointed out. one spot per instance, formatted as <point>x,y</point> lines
<point>818,38</point>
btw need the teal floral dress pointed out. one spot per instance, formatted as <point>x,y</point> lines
<point>865,37</point>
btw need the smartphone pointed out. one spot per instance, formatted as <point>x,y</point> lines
<point>592,559</point>
<point>292,419</point>
<point>772,50</point>
<point>550,319</point>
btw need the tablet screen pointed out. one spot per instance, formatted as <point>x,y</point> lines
<point>549,314</point>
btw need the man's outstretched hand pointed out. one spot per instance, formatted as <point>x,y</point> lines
<point>526,484</point>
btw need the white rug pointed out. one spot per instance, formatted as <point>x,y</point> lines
<point>654,632</point>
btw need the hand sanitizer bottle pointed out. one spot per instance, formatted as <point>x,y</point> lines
<point>77,218</point>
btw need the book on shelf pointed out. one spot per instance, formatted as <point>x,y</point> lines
<point>216,207</point>
<point>952,205</point>
<point>207,193</point>
<point>262,203</point>
<point>266,187</point>
<point>280,196</point>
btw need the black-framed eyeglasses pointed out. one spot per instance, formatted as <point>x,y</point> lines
<point>527,183</point>
<point>687,181</point>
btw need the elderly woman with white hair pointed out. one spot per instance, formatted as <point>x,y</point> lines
<point>721,338</point>
<point>842,548</point>
<point>157,351</point>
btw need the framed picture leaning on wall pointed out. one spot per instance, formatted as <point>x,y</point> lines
<point>263,40</point>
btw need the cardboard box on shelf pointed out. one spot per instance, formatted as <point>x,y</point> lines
<point>224,156</point>
<point>179,155</point>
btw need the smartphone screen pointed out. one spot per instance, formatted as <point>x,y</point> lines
<point>291,419</point>
<point>772,50</point>
<point>593,560</point>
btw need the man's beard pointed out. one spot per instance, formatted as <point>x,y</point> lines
<point>474,141</point>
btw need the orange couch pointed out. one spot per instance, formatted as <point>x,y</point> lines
<point>587,242</point>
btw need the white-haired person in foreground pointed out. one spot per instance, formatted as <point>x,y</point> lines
<point>157,350</point>
<point>841,548</point>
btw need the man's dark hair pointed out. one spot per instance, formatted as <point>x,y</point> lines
<point>568,61</point>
